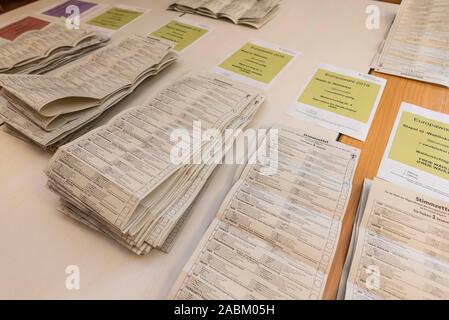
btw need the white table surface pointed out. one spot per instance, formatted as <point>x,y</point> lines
<point>37,243</point>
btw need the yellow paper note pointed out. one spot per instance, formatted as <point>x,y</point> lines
<point>183,33</point>
<point>115,18</point>
<point>341,100</point>
<point>417,155</point>
<point>258,62</point>
<point>341,94</point>
<point>422,143</point>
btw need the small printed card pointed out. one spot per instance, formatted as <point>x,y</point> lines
<point>183,32</point>
<point>13,30</point>
<point>341,100</point>
<point>257,63</point>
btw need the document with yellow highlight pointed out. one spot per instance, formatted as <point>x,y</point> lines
<point>341,100</point>
<point>256,63</point>
<point>116,17</point>
<point>417,155</point>
<point>183,32</point>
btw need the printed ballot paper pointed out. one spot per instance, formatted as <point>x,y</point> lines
<point>117,17</point>
<point>401,247</point>
<point>417,154</point>
<point>341,100</point>
<point>275,236</point>
<point>121,178</point>
<point>183,32</point>
<point>40,51</point>
<point>14,29</point>
<point>417,45</point>
<point>254,13</point>
<point>257,63</point>
<point>53,109</point>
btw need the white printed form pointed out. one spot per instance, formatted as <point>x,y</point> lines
<point>257,63</point>
<point>275,236</point>
<point>341,100</point>
<point>417,155</point>
<point>402,249</point>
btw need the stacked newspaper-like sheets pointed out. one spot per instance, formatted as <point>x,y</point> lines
<point>254,13</point>
<point>39,51</point>
<point>129,180</point>
<point>49,108</point>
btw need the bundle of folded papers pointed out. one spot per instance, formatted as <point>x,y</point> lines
<point>417,45</point>
<point>276,232</point>
<point>39,51</point>
<point>254,13</point>
<point>128,179</point>
<point>399,248</point>
<point>50,110</point>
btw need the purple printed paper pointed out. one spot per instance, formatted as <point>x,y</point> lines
<point>60,10</point>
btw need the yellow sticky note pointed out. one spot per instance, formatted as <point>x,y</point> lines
<point>256,62</point>
<point>183,34</point>
<point>115,18</point>
<point>422,143</point>
<point>341,94</point>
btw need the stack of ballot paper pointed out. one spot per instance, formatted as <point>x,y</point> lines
<point>47,109</point>
<point>355,232</point>
<point>400,246</point>
<point>275,235</point>
<point>417,45</point>
<point>127,178</point>
<point>39,51</point>
<point>254,13</point>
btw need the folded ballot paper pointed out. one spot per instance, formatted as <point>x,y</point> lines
<point>275,236</point>
<point>400,246</point>
<point>254,13</point>
<point>48,109</point>
<point>126,179</point>
<point>417,45</point>
<point>39,51</point>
